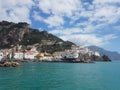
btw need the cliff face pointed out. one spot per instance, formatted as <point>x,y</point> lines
<point>12,34</point>
<point>112,55</point>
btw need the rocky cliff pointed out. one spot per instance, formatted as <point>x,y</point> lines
<point>12,34</point>
<point>112,55</point>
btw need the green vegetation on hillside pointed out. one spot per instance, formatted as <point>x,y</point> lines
<point>12,34</point>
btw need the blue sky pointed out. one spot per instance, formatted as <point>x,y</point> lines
<point>84,22</point>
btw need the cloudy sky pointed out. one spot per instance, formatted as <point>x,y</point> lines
<point>84,22</point>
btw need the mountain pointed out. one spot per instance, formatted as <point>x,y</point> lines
<point>110,54</point>
<point>12,34</point>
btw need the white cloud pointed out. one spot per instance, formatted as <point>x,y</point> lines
<point>99,12</point>
<point>57,9</point>
<point>84,19</point>
<point>37,17</point>
<point>106,14</point>
<point>15,10</point>
<point>66,31</point>
<point>109,37</point>
<point>81,37</point>
<point>70,31</point>
<point>60,7</point>
<point>89,39</point>
<point>106,1</point>
<point>54,21</point>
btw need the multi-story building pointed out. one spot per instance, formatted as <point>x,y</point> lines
<point>1,55</point>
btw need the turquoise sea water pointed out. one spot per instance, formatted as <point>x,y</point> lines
<point>61,76</point>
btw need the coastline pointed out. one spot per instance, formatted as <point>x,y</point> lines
<point>17,63</point>
<point>58,60</point>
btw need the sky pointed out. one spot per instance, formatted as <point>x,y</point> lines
<point>84,22</point>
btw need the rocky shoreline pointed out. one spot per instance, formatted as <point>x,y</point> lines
<point>16,62</point>
<point>9,64</point>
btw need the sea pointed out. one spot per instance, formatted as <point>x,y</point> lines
<point>61,76</point>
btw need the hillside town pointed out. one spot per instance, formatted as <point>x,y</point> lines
<point>21,43</point>
<point>76,53</point>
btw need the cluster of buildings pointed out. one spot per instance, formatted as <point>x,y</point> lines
<point>31,53</point>
<point>18,53</point>
<point>75,52</point>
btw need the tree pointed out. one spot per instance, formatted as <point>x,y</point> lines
<point>106,58</point>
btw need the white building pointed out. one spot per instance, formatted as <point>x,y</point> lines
<point>26,55</point>
<point>19,55</point>
<point>96,53</point>
<point>58,54</point>
<point>31,54</point>
<point>1,56</point>
<point>80,49</point>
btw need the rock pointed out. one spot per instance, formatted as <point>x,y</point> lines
<point>10,64</point>
<point>7,64</point>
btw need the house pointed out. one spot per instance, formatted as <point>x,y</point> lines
<point>1,56</point>
<point>45,56</point>
<point>58,54</point>
<point>26,54</point>
<point>96,53</point>
<point>18,55</point>
<point>31,54</point>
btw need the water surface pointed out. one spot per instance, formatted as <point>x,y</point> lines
<point>61,76</point>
